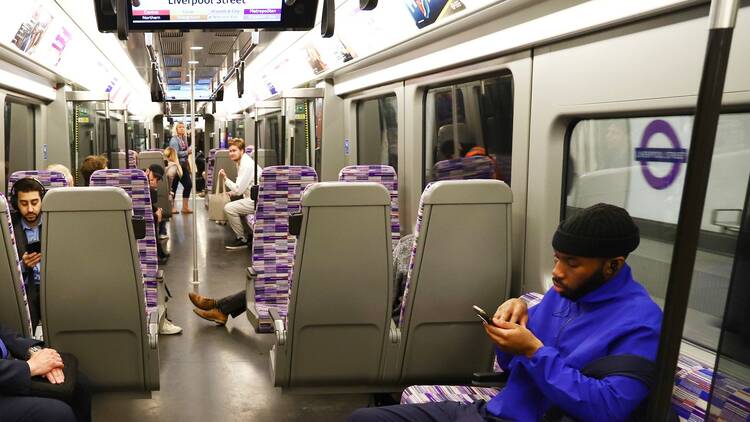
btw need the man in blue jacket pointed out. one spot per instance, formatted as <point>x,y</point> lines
<point>595,309</point>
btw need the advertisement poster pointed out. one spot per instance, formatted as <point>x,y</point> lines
<point>31,31</point>
<point>427,12</point>
<point>145,11</point>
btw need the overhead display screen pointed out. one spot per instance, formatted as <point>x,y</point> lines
<point>182,93</point>
<point>198,14</point>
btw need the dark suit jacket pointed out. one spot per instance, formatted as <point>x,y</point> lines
<point>15,377</point>
<point>21,243</point>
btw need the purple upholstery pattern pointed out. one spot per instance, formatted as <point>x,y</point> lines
<point>386,176</point>
<point>135,183</point>
<point>249,150</point>
<point>280,194</point>
<point>132,159</point>
<point>48,179</point>
<point>478,167</point>
<point>27,315</point>
<point>210,169</point>
<point>731,401</point>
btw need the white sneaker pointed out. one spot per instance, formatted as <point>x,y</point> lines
<point>168,328</point>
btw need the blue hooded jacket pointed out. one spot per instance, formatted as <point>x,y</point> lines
<point>618,318</point>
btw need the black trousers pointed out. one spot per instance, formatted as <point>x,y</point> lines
<point>66,402</point>
<point>32,295</point>
<point>428,412</point>
<point>186,180</point>
<point>234,305</point>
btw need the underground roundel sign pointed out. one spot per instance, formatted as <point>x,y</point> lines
<point>675,155</point>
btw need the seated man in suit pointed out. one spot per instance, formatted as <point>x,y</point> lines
<point>38,384</point>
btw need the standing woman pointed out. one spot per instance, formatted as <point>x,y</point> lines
<point>174,173</point>
<point>179,143</point>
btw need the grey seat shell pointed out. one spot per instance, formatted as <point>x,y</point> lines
<point>92,291</point>
<point>461,257</point>
<point>341,292</point>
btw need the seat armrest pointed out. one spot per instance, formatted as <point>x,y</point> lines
<point>254,189</point>
<point>489,379</point>
<point>394,333</point>
<point>251,272</point>
<point>278,326</point>
<point>153,329</point>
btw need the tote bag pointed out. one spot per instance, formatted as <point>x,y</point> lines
<point>216,202</point>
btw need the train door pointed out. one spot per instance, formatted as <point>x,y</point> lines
<point>302,143</point>
<point>375,133</point>
<point>268,127</point>
<point>91,134</point>
<point>19,144</point>
<point>480,109</point>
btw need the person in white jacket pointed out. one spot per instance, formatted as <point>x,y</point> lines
<point>245,176</point>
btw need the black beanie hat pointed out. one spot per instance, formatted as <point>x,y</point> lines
<point>599,231</point>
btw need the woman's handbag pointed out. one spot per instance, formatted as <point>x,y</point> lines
<point>217,200</point>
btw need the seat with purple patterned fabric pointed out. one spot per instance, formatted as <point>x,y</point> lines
<point>273,247</point>
<point>209,169</point>
<point>249,150</point>
<point>438,343</point>
<point>135,183</point>
<point>14,307</point>
<point>478,167</point>
<point>49,179</point>
<point>132,159</point>
<point>386,176</point>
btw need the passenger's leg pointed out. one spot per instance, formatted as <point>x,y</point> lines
<point>234,305</point>
<point>233,210</point>
<point>187,186</point>
<point>427,412</point>
<point>34,409</point>
<point>173,187</point>
<point>34,304</point>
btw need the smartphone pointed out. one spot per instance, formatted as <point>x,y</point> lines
<point>34,247</point>
<point>482,315</point>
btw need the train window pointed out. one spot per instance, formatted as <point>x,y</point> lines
<point>377,131</point>
<point>470,118</point>
<point>639,164</point>
<point>272,140</point>
<point>20,142</point>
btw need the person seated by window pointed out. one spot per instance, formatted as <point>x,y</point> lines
<point>595,309</point>
<point>155,173</point>
<point>246,169</point>
<point>91,164</point>
<point>65,171</point>
<point>38,384</point>
<point>26,201</point>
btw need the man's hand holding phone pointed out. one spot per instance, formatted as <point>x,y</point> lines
<point>31,259</point>
<point>514,311</point>
<point>507,328</point>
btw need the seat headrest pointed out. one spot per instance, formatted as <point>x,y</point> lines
<point>342,194</point>
<point>467,192</point>
<point>105,198</point>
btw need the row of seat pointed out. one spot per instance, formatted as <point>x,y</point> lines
<point>68,323</point>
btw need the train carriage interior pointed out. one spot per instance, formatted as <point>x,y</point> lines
<point>283,210</point>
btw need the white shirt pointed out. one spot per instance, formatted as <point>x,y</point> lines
<point>245,177</point>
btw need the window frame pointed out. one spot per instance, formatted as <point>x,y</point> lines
<point>493,74</point>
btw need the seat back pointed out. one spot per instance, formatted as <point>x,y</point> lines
<point>222,161</point>
<point>386,176</point>
<point>135,183</point>
<point>344,247</point>
<point>209,169</point>
<point>119,160</point>
<point>49,179</point>
<point>479,167</point>
<point>460,258</point>
<point>132,159</point>
<point>92,295</point>
<point>273,247</point>
<point>145,160</point>
<point>14,307</point>
<point>249,150</point>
